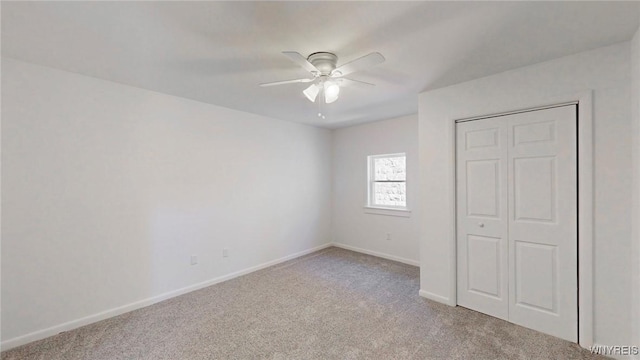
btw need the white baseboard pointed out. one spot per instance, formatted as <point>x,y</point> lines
<point>70,325</point>
<point>435,297</point>
<point>378,254</point>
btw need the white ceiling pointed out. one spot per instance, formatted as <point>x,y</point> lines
<point>218,52</point>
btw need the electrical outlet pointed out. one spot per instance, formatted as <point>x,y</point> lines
<point>225,252</point>
<point>194,259</point>
<point>388,236</point>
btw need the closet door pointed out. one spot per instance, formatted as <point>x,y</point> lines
<point>482,244</point>
<point>517,239</point>
<point>543,236</point>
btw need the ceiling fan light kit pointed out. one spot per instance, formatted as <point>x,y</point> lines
<point>327,77</point>
<point>311,92</point>
<point>331,91</point>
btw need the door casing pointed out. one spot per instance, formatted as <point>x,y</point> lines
<point>584,100</point>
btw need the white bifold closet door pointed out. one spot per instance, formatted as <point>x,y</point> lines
<point>517,238</point>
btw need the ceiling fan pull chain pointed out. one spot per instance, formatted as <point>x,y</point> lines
<point>320,102</point>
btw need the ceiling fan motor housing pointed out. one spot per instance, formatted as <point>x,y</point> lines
<point>323,61</point>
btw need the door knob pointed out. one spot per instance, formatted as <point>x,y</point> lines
<point>481,224</point>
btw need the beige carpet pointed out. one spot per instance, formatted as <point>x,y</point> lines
<point>332,304</point>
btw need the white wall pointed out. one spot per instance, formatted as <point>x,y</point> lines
<point>635,110</point>
<point>607,72</point>
<point>352,227</point>
<point>109,189</point>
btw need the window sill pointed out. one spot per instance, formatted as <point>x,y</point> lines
<point>387,211</point>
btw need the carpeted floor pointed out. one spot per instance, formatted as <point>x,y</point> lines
<point>332,304</point>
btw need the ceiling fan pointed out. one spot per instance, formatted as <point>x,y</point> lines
<point>327,77</point>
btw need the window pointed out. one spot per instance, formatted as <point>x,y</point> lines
<point>388,181</point>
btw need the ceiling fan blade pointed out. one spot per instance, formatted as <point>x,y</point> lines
<point>286,82</point>
<point>358,64</point>
<point>302,61</point>
<point>345,81</point>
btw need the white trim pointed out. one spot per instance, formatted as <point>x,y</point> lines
<point>585,219</point>
<point>585,206</point>
<point>378,254</point>
<point>387,211</point>
<point>453,245</point>
<point>73,324</point>
<point>435,297</point>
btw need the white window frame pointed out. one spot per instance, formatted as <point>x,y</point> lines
<point>370,206</point>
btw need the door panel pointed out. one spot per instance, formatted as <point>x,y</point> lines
<point>543,221</point>
<point>534,133</point>
<point>535,188</point>
<point>482,138</point>
<point>536,281</point>
<point>483,191</point>
<point>483,257</point>
<point>516,198</point>
<point>482,217</point>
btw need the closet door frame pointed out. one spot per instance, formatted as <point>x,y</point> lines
<point>584,101</point>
